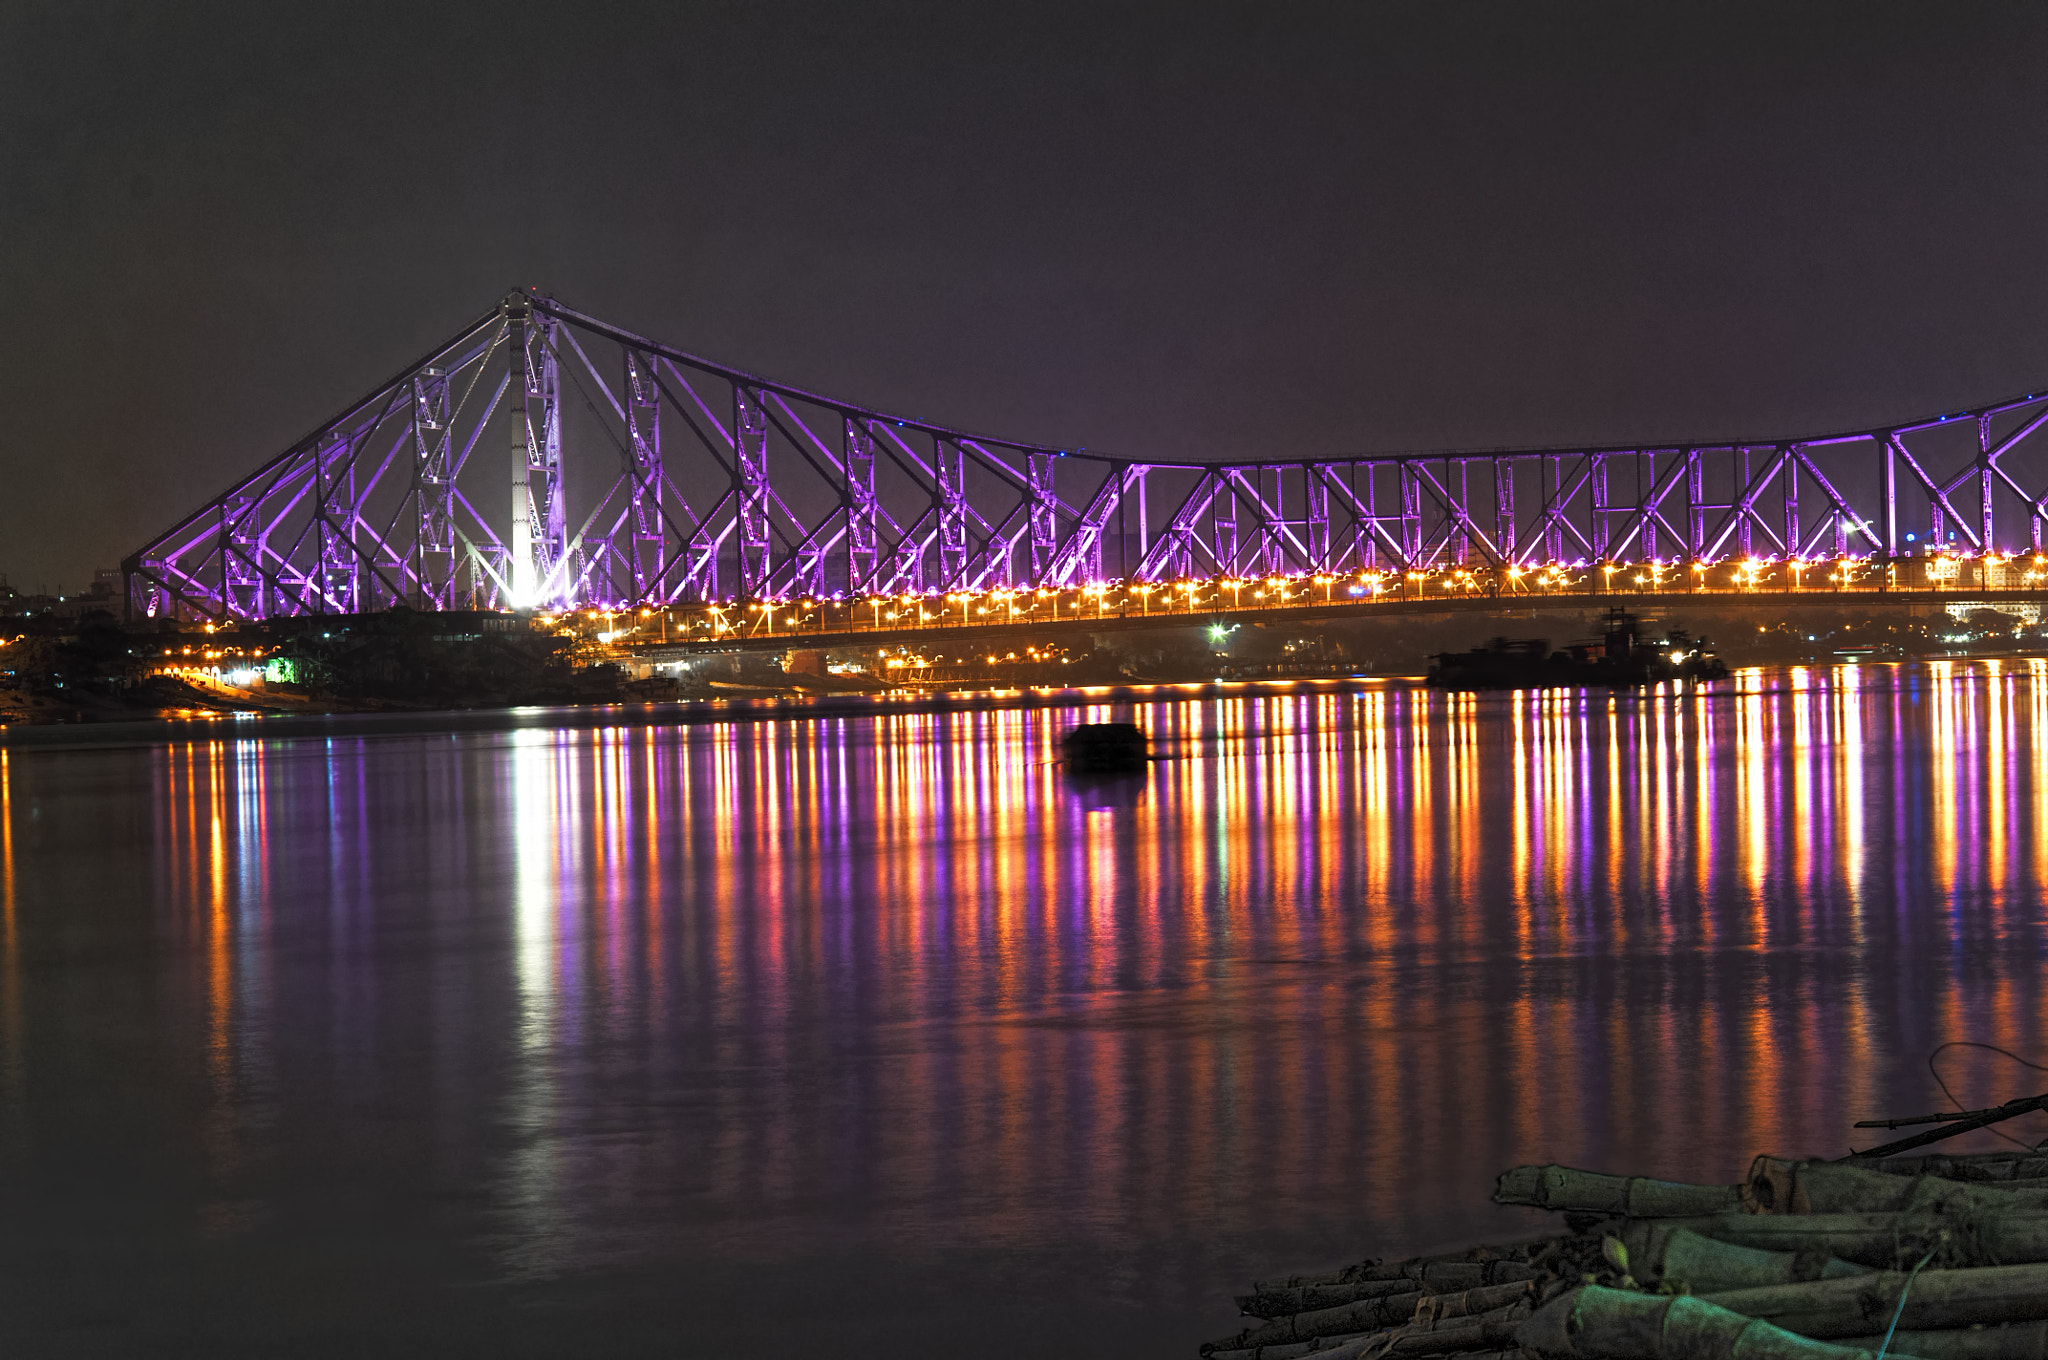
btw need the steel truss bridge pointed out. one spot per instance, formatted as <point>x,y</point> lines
<point>542,459</point>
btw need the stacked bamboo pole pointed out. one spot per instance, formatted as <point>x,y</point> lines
<point>1801,1260</point>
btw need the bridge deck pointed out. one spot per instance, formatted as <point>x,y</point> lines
<point>943,621</point>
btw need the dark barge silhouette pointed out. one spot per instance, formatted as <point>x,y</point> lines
<point>1623,658</point>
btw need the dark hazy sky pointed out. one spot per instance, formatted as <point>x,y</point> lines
<point>1245,229</point>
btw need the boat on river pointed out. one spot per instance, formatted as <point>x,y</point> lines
<point>1622,658</point>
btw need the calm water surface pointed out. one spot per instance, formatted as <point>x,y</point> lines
<point>873,1033</point>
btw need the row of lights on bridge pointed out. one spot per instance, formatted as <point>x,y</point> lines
<point>1282,588</point>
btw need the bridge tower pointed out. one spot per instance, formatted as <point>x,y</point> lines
<point>537,563</point>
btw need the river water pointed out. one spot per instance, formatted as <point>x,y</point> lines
<point>869,1034</point>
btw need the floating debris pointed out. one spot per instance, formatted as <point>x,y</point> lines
<point>1924,1257</point>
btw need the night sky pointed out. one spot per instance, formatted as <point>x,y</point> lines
<point>1250,230</point>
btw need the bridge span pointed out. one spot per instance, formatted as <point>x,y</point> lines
<point>543,459</point>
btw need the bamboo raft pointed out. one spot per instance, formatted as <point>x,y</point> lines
<point>1880,1254</point>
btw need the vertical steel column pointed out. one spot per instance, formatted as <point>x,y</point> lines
<point>951,465</point>
<point>1600,507</point>
<point>536,460</point>
<point>857,448</point>
<point>1504,507</point>
<point>1365,516</point>
<point>1223,524</point>
<point>334,475</point>
<point>1045,514</point>
<point>1459,540</point>
<point>1985,473</point>
<point>1891,496</point>
<point>1649,540</point>
<point>1144,532</point>
<point>1789,480</point>
<point>1316,491</point>
<point>1553,527</point>
<point>1272,545</point>
<point>1745,503</point>
<point>434,548</point>
<point>750,449</point>
<point>648,546</point>
<point>1695,504</point>
<point>520,576</point>
<point>544,469</point>
<point>1411,513</point>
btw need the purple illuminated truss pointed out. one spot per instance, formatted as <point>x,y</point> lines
<point>642,474</point>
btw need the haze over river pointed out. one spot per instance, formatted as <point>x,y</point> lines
<point>870,1033</point>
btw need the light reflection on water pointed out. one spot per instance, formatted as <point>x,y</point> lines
<point>891,987</point>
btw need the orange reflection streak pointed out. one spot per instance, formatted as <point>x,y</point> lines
<point>1376,838</point>
<point>1942,680</point>
<point>190,808</point>
<point>2037,751</point>
<point>1796,817</point>
<point>1463,789</point>
<point>1706,844</point>
<point>7,848</point>
<point>10,968</point>
<point>1616,815</point>
<point>1848,779</point>
<point>219,929</point>
<point>1657,767</point>
<point>1523,834</point>
<point>1424,864</point>
<point>1334,762</point>
<point>1752,795</point>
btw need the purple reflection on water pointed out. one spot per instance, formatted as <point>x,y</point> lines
<point>881,1033</point>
